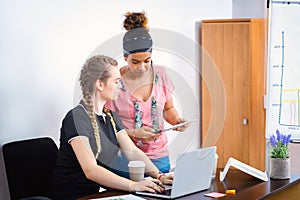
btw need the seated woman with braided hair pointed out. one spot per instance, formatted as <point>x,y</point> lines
<point>91,136</point>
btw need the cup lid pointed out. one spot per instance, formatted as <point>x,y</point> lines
<point>136,163</point>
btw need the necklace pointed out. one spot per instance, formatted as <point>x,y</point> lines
<point>138,114</point>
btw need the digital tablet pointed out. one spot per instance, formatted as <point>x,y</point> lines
<point>176,126</point>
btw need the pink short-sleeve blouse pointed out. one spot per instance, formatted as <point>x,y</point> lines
<point>135,113</point>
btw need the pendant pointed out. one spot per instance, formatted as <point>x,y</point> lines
<point>139,143</point>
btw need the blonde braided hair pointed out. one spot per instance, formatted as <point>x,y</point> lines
<point>107,111</point>
<point>96,68</point>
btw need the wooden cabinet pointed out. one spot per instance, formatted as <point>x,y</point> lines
<point>237,49</point>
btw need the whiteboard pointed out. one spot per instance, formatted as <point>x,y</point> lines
<point>283,77</point>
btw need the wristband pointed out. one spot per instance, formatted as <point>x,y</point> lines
<point>160,174</point>
<point>168,109</point>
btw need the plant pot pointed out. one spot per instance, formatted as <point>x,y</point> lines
<point>280,168</point>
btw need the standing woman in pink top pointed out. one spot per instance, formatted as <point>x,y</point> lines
<point>145,99</point>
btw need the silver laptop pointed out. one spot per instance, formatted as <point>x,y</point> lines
<point>193,173</point>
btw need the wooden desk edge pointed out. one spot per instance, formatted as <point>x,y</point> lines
<point>295,179</point>
<point>108,193</point>
<point>278,190</point>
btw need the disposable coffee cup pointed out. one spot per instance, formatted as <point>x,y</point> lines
<point>215,165</point>
<point>136,170</point>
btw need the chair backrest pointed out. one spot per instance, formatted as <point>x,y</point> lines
<point>29,164</point>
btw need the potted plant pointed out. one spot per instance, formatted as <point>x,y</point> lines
<point>280,161</point>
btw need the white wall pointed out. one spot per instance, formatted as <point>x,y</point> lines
<point>249,9</point>
<point>45,42</point>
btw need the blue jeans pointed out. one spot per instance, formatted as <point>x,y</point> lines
<point>163,164</point>
<point>119,165</point>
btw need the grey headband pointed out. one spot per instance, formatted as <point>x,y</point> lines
<point>137,40</point>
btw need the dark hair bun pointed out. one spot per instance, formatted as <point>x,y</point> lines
<point>135,20</point>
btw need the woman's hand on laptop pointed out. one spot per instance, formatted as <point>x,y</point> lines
<point>148,184</point>
<point>166,179</point>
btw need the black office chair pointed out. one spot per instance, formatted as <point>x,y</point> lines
<point>29,165</point>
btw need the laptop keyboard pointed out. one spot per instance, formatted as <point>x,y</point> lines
<point>166,192</point>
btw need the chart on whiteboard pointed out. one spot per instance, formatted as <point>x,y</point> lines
<point>283,85</point>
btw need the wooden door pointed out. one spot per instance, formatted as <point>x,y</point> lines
<point>237,48</point>
<point>228,46</point>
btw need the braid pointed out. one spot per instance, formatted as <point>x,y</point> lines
<point>107,111</point>
<point>94,69</point>
<point>90,108</point>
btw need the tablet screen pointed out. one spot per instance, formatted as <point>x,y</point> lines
<point>176,126</point>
